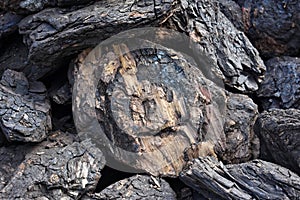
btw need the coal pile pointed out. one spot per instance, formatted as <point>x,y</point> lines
<point>205,107</point>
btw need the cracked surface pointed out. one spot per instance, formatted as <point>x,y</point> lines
<point>234,58</point>
<point>280,89</point>
<point>279,131</point>
<point>55,33</point>
<point>24,108</point>
<point>136,187</point>
<point>63,168</point>
<point>256,179</point>
<point>148,100</point>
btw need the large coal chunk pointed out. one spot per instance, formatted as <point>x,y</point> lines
<point>24,108</point>
<point>234,57</point>
<point>241,142</point>
<point>279,131</point>
<point>273,26</point>
<point>53,34</point>
<point>31,6</point>
<point>61,168</point>
<point>281,88</point>
<point>136,187</point>
<point>252,180</point>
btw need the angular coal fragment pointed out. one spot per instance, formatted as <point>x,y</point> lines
<point>24,108</point>
<point>56,33</point>
<point>273,26</point>
<point>58,169</point>
<point>232,54</point>
<point>31,6</point>
<point>281,88</point>
<point>252,180</point>
<point>279,131</point>
<point>136,187</point>
<point>241,142</point>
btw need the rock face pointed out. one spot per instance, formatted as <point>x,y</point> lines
<point>233,56</point>
<point>58,169</point>
<point>252,180</point>
<point>280,89</point>
<point>279,133</point>
<point>136,187</point>
<point>24,108</point>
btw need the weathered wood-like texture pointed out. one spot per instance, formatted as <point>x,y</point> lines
<point>281,88</point>
<point>136,187</point>
<point>279,131</point>
<point>273,26</point>
<point>234,57</point>
<point>55,170</point>
<point>24,108</point>
<point>55,33</point>
<point>252,180</point>
<point>31,6</point>
<point>149,115</point>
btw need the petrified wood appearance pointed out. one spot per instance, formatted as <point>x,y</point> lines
<point>279,131</point>
<point>147,113</point>
<point>234,57</point>
<point>252,180</point>
<point>281,88</point>
<point>55,170</point>
<point>273,26</point>
<point>24,108</point>
<point>53,34</point>
<point>149,99</point>
<point>136,187</point>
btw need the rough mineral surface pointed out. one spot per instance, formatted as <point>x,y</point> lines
<point>252,180</point>
<point>8,23</point>
<point>54,170</point>
<point>53,34</point>
<point>11,157</point>
<point>234,57</point>
<point>281,88</point>
<point>273,26</point>
<point>29,6</point>
<point>24,108</point>
<point>241,142</point>
<point>279,131</point>
<point>136,187</point>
